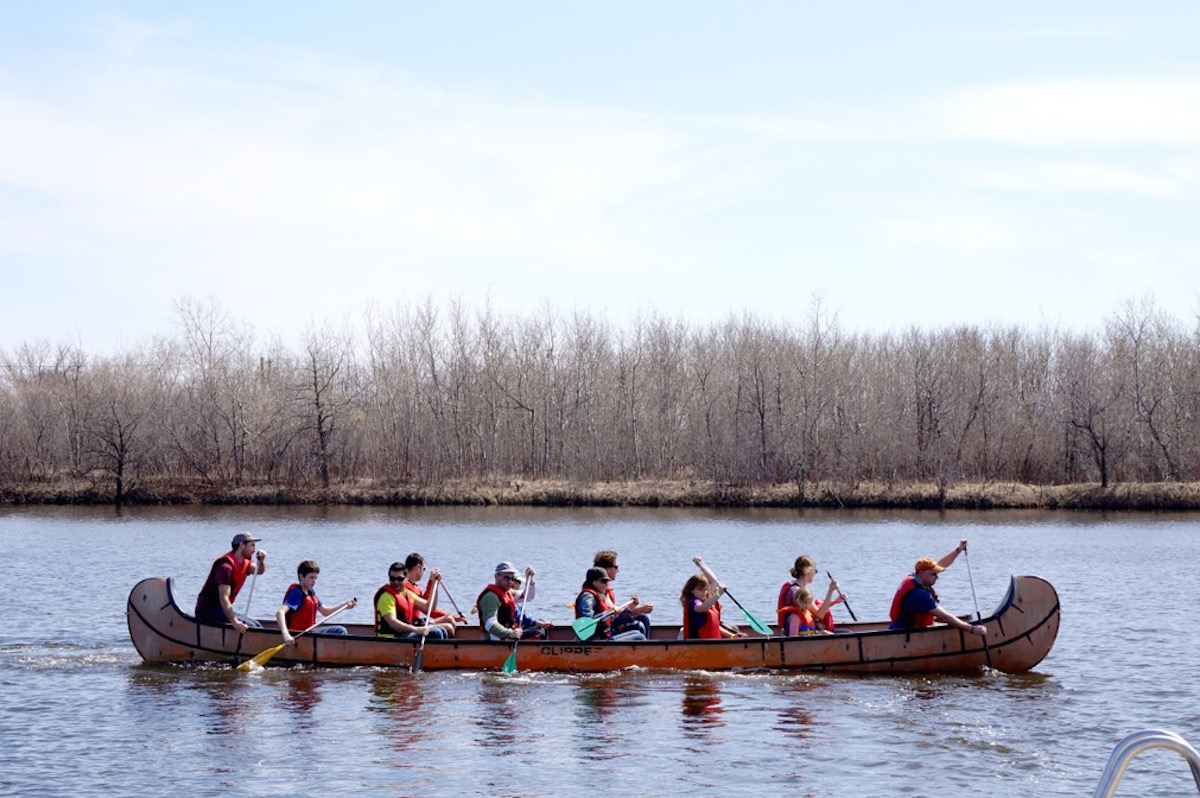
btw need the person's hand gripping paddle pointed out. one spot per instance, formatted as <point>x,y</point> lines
<point>751,619</point>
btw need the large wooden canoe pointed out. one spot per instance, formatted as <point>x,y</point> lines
<point>1020,634</point>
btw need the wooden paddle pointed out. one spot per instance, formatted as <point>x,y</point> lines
<point>262,657</point>
<point>845,600</point>
<point>987,651</point>
<point>586,627</point>
<point>754,622</point>
<point>245,613</point>
<point>454,603</point>
<point>510,664</point>
<point>416,668</point>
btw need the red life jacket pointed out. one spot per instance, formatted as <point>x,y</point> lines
<point>603,604</point>
<point>506,615</point>
<point>910,583</point>
<point>782,605</point>
<point>424,594</point>
<point>405,610</point>
<point>711,628</point>
<point>306,615</point>
<point>210,595</point>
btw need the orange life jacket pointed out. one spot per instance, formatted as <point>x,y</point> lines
<point>783,605</point>
<point>808,624</point>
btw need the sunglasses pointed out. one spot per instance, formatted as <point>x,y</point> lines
<point>397,577</point>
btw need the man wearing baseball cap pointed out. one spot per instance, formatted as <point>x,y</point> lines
<point>915,604</point>
<point>214,605</point>
<point>497,607</point>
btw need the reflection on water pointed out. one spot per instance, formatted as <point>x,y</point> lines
<point>302,695</point>
<point>499,714</point>
<point>701,704</point>
<point>795,718</point>
<point>599,700</point>
<point>397,697</point>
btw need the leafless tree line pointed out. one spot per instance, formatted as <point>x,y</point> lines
<point>430,393</point>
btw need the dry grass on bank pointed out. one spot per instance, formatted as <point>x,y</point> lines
<point>656,493</point>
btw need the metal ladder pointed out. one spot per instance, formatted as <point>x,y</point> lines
<point>1133,745</point>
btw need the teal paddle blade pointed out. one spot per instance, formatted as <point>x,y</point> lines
<point>510,664</point>
<point>584,628</point>
<point>756,624</point>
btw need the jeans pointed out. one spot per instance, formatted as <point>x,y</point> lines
<point>436,632</point>
<point>329,630</point>
<point>627,623</point>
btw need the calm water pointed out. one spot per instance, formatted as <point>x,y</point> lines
<point>79,714</point>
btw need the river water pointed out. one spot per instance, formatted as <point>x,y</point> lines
<point>80,714</point>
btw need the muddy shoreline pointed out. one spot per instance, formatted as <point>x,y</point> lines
<point>658,493</point>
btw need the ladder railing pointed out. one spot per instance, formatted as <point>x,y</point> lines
<point>1135,744</point>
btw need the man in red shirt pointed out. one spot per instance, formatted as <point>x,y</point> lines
<point>214,605</point>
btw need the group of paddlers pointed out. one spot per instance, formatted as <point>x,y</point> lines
<point>403,608</point>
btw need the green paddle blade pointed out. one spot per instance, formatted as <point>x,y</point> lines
<point>584,627</point>
<point>756,624</point>
<point>510,664</point>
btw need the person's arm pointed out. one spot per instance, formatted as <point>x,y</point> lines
<point>223,594</point>
<point>828,603</point>
<point>707,604</point>
<point>387,611</point>
<point>348,604</point>
<point>949,559</point>
<point>489,606</point>
<point>281,621</point>
<point>587,606</point>
<point>952,619</point>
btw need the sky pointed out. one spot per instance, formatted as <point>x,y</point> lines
<point>299,163</point>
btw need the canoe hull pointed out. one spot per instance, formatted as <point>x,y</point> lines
<point>1021,633</point>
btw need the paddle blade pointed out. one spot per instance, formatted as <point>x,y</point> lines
<point>510,664</point>
<point>260,659</point>
<point>756,624</point>
<point>584,627</point>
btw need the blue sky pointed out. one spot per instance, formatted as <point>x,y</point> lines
<point>916,163</point>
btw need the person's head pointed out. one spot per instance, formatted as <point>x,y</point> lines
<point>415,564</point>
<point>804,599</point>
<point>804,569</point>
<point>243,544</point>
<point>306,574</point>
<point>607,559</point>
<point>927,570</point>
<point>397,573</point>
<point>695,587</point>
<point>596,579</point>
<point>507,576</point>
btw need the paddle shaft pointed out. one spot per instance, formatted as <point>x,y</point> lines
<point>246,612</point>
<point>428,620</point>
<point>978,615</point>
<point>845,600</point>
<point>321,620</point>
<point>452,601</point>
<point>510,664</point>
<point>587,626</point>
<point>715,581</point>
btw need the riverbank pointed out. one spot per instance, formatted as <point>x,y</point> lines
<point>657,493</point>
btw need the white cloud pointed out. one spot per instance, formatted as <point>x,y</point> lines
<point>1075,112</point>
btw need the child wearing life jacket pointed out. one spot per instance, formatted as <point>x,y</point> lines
<point>702,610</point>
<point>804,616</point>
